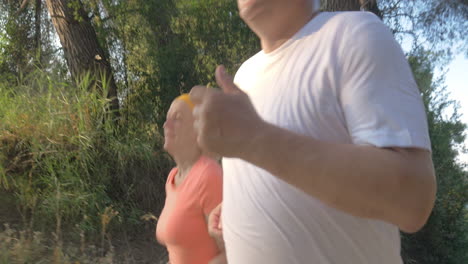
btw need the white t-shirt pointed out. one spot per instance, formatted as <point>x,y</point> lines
<point>342,78</point>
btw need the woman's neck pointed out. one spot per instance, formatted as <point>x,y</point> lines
<point>185,162</point>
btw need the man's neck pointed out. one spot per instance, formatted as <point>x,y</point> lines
<point>277,35</point>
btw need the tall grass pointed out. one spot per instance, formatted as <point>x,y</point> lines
<point>64,159</point>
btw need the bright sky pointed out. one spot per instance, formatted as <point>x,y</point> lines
<point>456,80</point>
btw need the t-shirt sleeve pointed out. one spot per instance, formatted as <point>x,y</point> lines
<point>378,94</point>
<point>211,188</point>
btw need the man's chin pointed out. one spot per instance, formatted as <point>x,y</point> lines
<point>251,11</point>
<point>245,3</point>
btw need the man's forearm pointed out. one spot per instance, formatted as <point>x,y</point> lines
<point>397,186</point>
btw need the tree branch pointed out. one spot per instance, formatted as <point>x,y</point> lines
<point>23,5</point>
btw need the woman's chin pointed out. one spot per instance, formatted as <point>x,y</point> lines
<point>166,147</point>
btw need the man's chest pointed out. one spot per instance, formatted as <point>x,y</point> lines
<point>300,100</point>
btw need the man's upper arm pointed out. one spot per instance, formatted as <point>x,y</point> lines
<point>378,94</point>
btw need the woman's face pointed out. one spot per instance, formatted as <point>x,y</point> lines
<point>179,133</point>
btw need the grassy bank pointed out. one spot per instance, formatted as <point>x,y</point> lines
<point>72,172</point>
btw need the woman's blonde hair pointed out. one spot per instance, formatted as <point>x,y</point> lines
<point>186,98</point>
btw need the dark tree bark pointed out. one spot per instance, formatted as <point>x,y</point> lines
<point>37,24</point>
<point>351,5</point>
<point>80,45</point>
<point>340,5</point>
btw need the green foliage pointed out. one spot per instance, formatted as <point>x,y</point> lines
<point>65,162</point>
<point>441,26</point>
<point>19,52</point>
<point>162,48</point>
<point>66,166</point>
<point>61,160</point>
<point>444,239</point>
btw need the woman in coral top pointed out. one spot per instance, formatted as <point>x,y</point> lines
<point>193,190</point>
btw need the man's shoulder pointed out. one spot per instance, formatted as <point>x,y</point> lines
<point>353,17</point>
<point>346,20</point>
<point>335,27</point>
<point>339,29</point>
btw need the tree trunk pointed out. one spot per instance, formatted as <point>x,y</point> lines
<point>350,5</point>
<point>80,45</point>
<point>37,36</point>
<point>340,5</point>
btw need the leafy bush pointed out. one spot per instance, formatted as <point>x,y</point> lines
<point>64,158</point>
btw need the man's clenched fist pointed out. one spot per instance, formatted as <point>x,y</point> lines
<point>225,120</point>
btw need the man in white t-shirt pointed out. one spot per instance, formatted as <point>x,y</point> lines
<point>324,138</point>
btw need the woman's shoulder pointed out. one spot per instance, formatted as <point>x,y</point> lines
<point>171,175</point>
<point>206,163</point>
<point>208,167</point>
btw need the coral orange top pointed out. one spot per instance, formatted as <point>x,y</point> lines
<point>182,226</point>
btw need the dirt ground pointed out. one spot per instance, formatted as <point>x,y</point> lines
<point>140,247</point>
<point>136,247</point>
